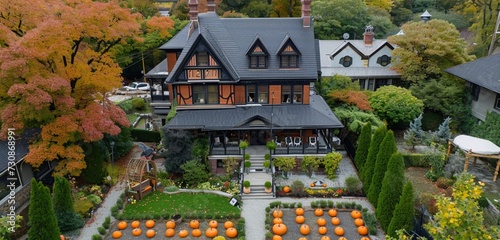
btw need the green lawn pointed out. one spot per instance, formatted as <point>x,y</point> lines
<point>188,205</point>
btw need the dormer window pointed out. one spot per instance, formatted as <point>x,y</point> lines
<point>384,60</point>
<point>258,56</point>
<point>346,61</point>
<point>289,58</point>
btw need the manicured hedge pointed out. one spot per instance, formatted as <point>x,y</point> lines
<point>415,160</point>
<point>141,135</point>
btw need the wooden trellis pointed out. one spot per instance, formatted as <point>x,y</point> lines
<point>141,176</point>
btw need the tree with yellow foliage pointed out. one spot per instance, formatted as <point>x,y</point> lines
<point>459,216</point>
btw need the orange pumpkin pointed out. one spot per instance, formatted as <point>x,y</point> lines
<point>194,224</point>
<point>299,211</point>
<point>277,237</point>
<point>342,238</point>
<point>196,232</point>
<point>325,238</point>
<point>277,220</point>
<point>135,224</point>
<point>300,219</point>
<point>302,238</point>
<point>279,229</point>
<point>356,214</point>
<point>365,238</point>
<point>277,213</point>
<point>363,230</point>
<point>211,232</point>
<point>183,233</point>
<point>332,212</point>
<point>213,224</point>
<point>318,212</point>
<point>322,230</point>
<point>122,225</point>
<point>305,229</point>
<point>117,234</point>
<point>231,232</point>
<point>321,221</point>
<point>150,233</point>
<point>150,223</point>
<point>62,237</point>
<point>286,189</point>
<point>228,224</point>
<point>170,232</point>
<point>312,184</point>
<point>170,224</point>
<point>339,231</point>
<point>324,184</point>
<point>359,222</point>
<point>136,231</point>
<point>335,221</point>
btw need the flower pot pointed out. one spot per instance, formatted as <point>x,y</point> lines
<point>268,190</point>
<point>246,190</point>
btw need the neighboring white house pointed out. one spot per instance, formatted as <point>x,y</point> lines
<point>483,77</point>
<point>367,60</point>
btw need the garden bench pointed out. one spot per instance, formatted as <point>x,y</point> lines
<point>143,189</point>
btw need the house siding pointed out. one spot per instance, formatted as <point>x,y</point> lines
<point>484,104</point>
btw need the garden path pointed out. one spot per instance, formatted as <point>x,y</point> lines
<point>102,212</point>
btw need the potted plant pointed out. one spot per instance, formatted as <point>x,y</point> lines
<point>248,164</point>
<point>246,186</point>
<point>268,187</point>
<point>267,165</point>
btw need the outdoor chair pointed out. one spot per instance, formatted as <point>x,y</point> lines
<point>312,141</point>
<point>217,142</point>
<point>297,141</point>
<point>277,141</point>
<point>289,141</point>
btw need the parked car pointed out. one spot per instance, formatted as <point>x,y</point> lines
<point>138,86</point>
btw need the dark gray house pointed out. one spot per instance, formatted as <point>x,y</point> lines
<point>483,77</point>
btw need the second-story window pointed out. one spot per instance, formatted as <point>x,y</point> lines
<point>384,60</point>
<point>258,56</point>
<point>346,61</point>
<point>205,94</point>
<point>257,94</point>
<point>289,58</point>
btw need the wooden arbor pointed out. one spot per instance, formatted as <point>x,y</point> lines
<point>141,176</point>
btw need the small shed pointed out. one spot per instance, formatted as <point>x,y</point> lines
<point>141,177</point>
<point>476,147</point>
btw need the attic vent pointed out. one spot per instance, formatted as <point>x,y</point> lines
<point>257,123</point>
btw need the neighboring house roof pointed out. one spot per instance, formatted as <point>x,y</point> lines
<point>230,39</point>
<point>333,47</point>
<point>361,72</point>
<point>21,148</point>
<point>484,72</point>
<point>297,116</point>
<point>159,71</point>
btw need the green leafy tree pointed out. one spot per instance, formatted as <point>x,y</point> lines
<point>387,148</point>
<point>381,21</point>
<point>400,13</point>
<point>404,211</point>
<point>333,18</point>
<point>67,218</point>
<point>179,145</point>
<point>123,143</point>
<point>232,6</point>
<point>354,119</point>
<point>383,4</point>
<point>395,104</point>
<point>194,172</point>
<point>426,49</point>
<point>336,82</point>
<point>257,9</point>
<point>332,163</point>
<point>364,141</point>
<point>285,164</point>
<point>310,164</point>
<point>489,129</point>
<point>459,216</point>
<point>42,220</point>
<point>414,135</point>
<point>6,226</point>
<point>371,159</point>
<point>390,193</point>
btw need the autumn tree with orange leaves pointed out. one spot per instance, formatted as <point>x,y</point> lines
<point>57,65</point>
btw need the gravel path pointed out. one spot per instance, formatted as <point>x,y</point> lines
<point>104,211</point>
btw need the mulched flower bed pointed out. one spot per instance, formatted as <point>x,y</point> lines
<point>160,229</point>
<point>346,222</point>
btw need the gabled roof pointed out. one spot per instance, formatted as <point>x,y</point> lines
<point>317,114</point>
<point>232,37</point>
<point>334,47</point>
<point>159,71</point>
<point>484,72</point>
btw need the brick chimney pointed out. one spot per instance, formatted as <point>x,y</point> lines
<point>306,13</point>
<point>193,10</point>
<point>368,36</point>
<point>210,5</point>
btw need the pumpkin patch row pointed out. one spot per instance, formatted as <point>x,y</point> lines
<point>210,232</point>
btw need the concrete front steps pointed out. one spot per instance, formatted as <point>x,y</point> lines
<point>257,192</point>
<point>257,180</point>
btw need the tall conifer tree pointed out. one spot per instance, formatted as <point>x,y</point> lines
<point>392,187</point>
<point>364,141</point>
<point>369,167</point>
<point>67,218</point>
<point>387,148</point>
<point>42,220</point>
<point>404,212</point>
